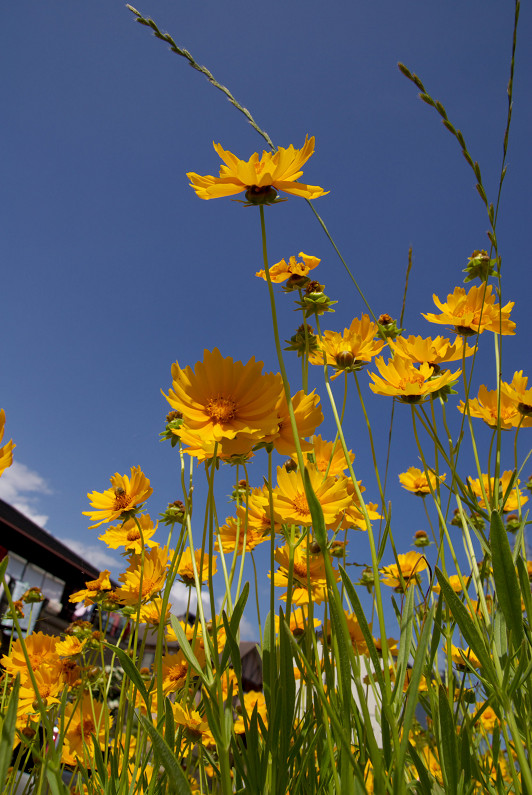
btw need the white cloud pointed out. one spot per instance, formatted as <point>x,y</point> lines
<point>92,553</point>
<point>179,600</point>
<point>20,487</point>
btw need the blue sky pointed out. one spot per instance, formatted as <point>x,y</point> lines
<point>113,268</point>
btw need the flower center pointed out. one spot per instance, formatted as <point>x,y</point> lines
<point>121,499</point>
<point>221,409</point>
<point>299,501</point>
<point>86,729</point>
<point>177,673</point>
<point>133,535</point>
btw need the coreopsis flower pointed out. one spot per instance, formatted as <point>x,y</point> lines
<point>515,498</point>
<point>83,721</point>
<point>185,570</point>
<point>195,727</point>
<point>353,517</point>
<point>6,452</point>
<point>50,686</point>
<point>283,270</point>
<point>416,481</point>
<point>486,406</point>
<point>233,535</point>
<point>454,582</point>
<point>409,566</point>
<point>473,312</point>
<point>488,719</point>
<point>125,495</point>
<point>94,590</point>
<point>459,657</point>
<point>129,536</point>
<point>70,646</point>
<point>352,349</point>
<point>41,650</point>
<point>308,574</point>
<point>401,379</point>
<point>256,513</point>
<point>174,668</point>
<point>308,416</point>
<point>290,501</point>
<point>355,633</point>
<point>298,621</point>
<point>518,394</point>
<point>328,457</point>
<point>430,351</point>
<point>221,399</point>
<point>260,178</point>
<point>253,699</point>
<point>144,578</point>
<point>151,613</point>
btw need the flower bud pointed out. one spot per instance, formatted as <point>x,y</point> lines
<point>480,266</point>
<point>290,465</point>
<point>344,360</point>
<point>32,596</point>
<point>388,326</point>
<point>421,539</point>
<point>174,513</point>
<point>265,195</point>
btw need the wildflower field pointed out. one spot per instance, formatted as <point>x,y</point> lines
<point>406,668</point>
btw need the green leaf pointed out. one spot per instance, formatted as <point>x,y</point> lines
<point>288,699</point>
<point>8,732</point>
<point>234,623</point>
<point>169,727</point>
<point>505,577</point>
<point>448,743</point>
<point>468,629</point>
<point>316,512</point>
<point>176,778</point>
<point>364,627</point>
<point>405,643</point>
<point>131,671</point>
<point>435,642</point>
<point>186,648</point>
<point>465,755</point>
<point>231,648</point>
<point>524,582</point>
<point>425,786</point>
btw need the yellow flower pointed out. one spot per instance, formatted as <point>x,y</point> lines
<point>328,457</point>
<point>83,720</point>
<point>41,650</point>
<point>129,536</point>
<point>515,498</point>
<point>353,516</point>
<point>431,351</point>
<point>147,574</point>
<point>489,719</point>
<point>350,350</point>
<point>174,670</point>
<point>458,655</point>
<point>124,495</point>
<point>518,393</point>
<point>232,535</point>
<point>472,312</point>
<point>222,398</point>
<point>204,448</point>
<point>454,582</point>
<point>486,406</point>
<point>416,481</point>
<point>94,589</point>
<point>409,384</point>
<point>195,727</point>
<point>308,416</point>
<point>252,699</point>
<point>282,270</point>
<point>151,613</point>
<point>257,177</point>
<point>6,452</point>
<point>49,687</point>
<point>308,574</point>
<point>355,633</point>
<point>409,566</point>
<point>290,501</point>
<point>256,513</point>
<point>298,621</point>
<point>186,569</point>
<point>70,646</point>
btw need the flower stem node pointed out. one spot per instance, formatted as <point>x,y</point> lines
<point>174,513</point>
<point>301,342</point>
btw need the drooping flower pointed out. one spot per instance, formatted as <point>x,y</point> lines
<point>416,481</point>
<point>6,452</point>
<point>401,379</point>
<point>515,498</point>
<point>144,578</point>
<point>283,270</point>
<point>197,445</point>
<point>129,536</point>
<point>430,351</point>
<point>356,346</point>
<point>221,399</point>
<point>472,312</point>
<point>290,502</point>
<point>486,405</point>
<point>409,566</point>
<point>258,176</point>
<point>126,493</point>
